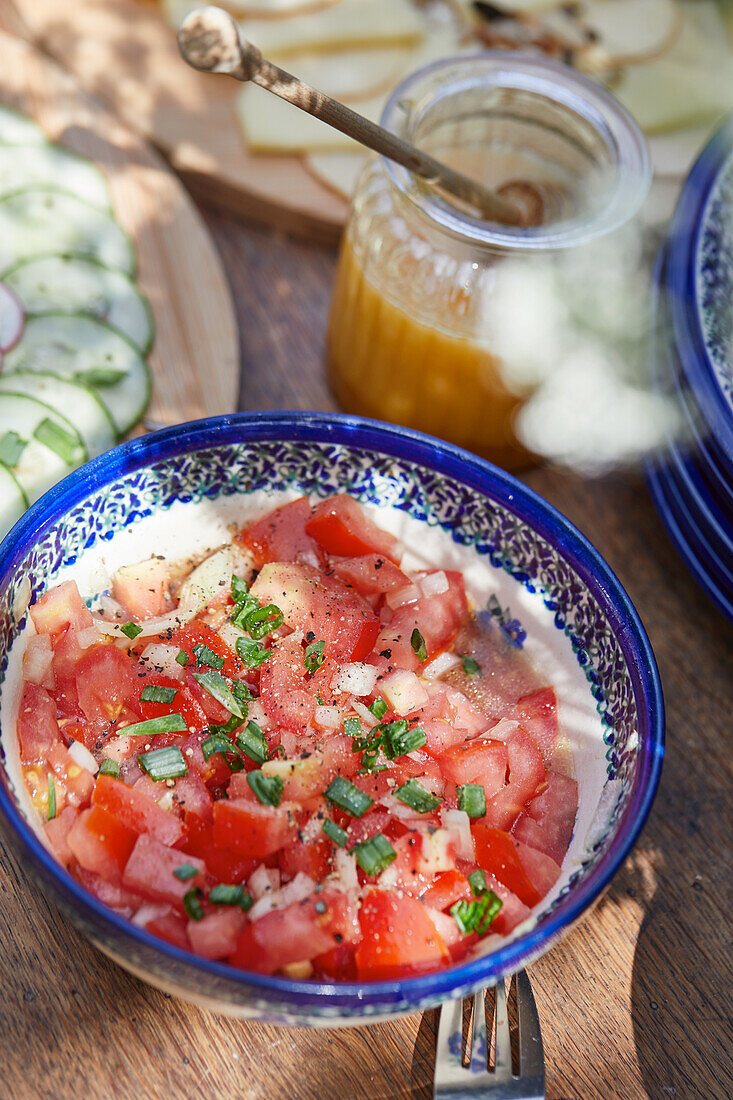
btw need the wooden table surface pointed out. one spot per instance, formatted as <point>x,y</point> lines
<point>633,1003</point>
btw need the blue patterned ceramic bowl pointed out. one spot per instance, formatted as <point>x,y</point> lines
<point>181,489</point>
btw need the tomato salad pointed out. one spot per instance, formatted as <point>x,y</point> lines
<point>299,758</point>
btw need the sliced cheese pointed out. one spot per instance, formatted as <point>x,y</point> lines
<point>348,25</point>
<point>339,171</point>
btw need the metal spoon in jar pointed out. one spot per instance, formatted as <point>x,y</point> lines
<point>210,41</point>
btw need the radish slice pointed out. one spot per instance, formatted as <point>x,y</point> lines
<point>12,318</point>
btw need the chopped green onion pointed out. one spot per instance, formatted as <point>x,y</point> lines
<point>223,894</point>
<point>186,871</point>
<point>11,448</point>
<point>477,882</point>
<point>335,833</point>
<point>182,658</point>
<point>319,700</point>
<point>206,656</point>
<point>264,621</point>
<point>217,687</point>
<point>347,796</point>
<point>378,708</point>
<point>472,799</point>
<point>470,667</point>
<point>220,742</point>
<point>131,630</point>
<point>314,655</point>
<point>399,740</point>
<point>242,610</point>
<point>251,653</point>
<point>477,915</point>
<point>413,794</point>
<point>110,767</point>
<point>167,763</point>
<point>375,854</point>
<point>418,645</point>
<point>352,727</point>
<point>167,723</point>
<point>192,903</point>
<point>51,798</point>
<point>152,693</point>
<point>268,788</point>
<point>251,741</point>
<point>240,589</point>
<point>61,442</point>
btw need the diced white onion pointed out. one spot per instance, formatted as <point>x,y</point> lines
<point>441,664</point>
<point>81,755</point>
<point>399,809</point>
<point>119,748</point>
<point>258,714</point>
<point>436,854</point>
<point>312,830</point>
<point>263,881</point>
<point>111,609</point>
<point>459,823</point>
<point>434,584</point>
<point>404,692</point>
<point>357,679</point>
<point>148,912</point>
<point>162,658</point>
<point>302,886</point>
<point>344,866</point>
<point>327,717</point>
<point>158,625</point>
<point>38,658</point>
<point>263,906</point>
<point>398,597</point>
<point>230,634</point>
<point>364,713</point>
<point>445,925</point>
<point>88,637</point>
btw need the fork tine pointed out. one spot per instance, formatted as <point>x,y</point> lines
<point>531,1051</point>
<point>503,1042</point>
<point>479,1053</point>
<point>449,1050</point>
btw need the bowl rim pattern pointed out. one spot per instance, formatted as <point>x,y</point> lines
<point>363,999</point>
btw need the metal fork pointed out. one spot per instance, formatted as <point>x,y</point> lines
<point>454,1081</point>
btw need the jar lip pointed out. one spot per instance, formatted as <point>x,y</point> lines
<point>561,85</point>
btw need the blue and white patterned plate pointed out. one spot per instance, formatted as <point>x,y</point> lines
<point>182,491</point>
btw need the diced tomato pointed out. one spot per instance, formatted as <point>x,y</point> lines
<point>109,893</point>
<point>142,588</point>
<point>198,633</point>
<point>216,935</point>
<point>541,869</point>
<point>537,714</point>
<point>370,574</point>
<point>60,607</point>
<point>342,527</point>
<point>436,617</point>
<point>313,859</point>
<point>399,938</point>
<point>283,691</point>
<point>38,729</point>
<point>172,928</point>
<point>512,912</point>
<point>498,853</point>
<point>184,703</point>
<point>549,820</point>
<point>57,830</point>
<point>337,963</point>
<point>251,829</point>
<point>483,762</point>
<point>448,888</point>
<point>149,871</point>
<point>225,866</point>
<point>526,777</point>
<point>136,811</point>
<point>106,681</point>
<point>296,933</point>
<point>281,536</point>
<point>214,711</point>
<point>76,781</point>
<point>100,843</point>
<point>319,605</point>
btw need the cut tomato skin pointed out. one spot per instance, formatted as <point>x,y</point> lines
<point>249,829</point>
<point>106,682</point>
<point>436,617</point>
<point>149,871</point>
<point>497,852</point>
<point>370,574</point>
<point>216,935</point>
<point>399,938</point>
<point>281,536</point>
<point>172,929</point>
<point>483,762</point>
<point>57,830</point>
<point>199,633</point>
<point>342,527</point>
<point>136,811</point>
<point>312,859</point>
<point>59,608</point>
<point>297,933</point>
<point>283,690</point>
<point>38,729</point>
<point>224,865</point>
<point>448,888</point>
<point>537,714</point>
<point>100,843</point>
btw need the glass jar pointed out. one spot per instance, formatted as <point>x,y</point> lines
<point>440,321</point>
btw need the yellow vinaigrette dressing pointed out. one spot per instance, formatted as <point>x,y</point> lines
<point>412,336</point>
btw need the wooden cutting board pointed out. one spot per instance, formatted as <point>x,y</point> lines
<point>195,358</point>
<point>124,52</point>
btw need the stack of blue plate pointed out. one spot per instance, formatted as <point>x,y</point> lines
<point>691,480</point>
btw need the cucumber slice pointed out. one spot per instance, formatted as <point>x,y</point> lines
<point>51,166</point>
<point>84,350</point>
<point>13,502</point>
<point>48,446</point>
<point>72,284</point>
<point>16,129</point>
<point>40,220</point>
<point>76,402</point>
